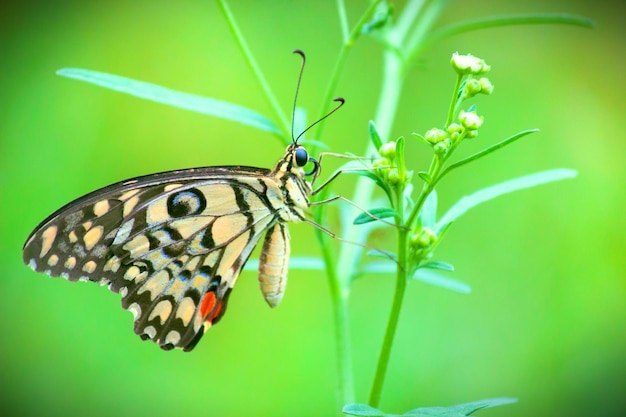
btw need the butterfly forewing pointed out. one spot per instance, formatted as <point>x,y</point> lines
<point>173,244</point>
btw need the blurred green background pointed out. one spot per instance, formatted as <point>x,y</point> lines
<point>546,321</point>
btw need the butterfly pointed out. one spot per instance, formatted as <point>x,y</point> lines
<point>173,244</point>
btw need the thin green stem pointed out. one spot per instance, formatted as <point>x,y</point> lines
<point>339,63</point>
<point>343,20</point>
<point>339,296</point>
<point>454,101</point>
<point>396,307</point>
<point>256,70</point>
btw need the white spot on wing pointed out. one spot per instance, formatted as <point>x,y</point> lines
<point>150,331</point>
<point>172,337</point>
<point>124,232</point>
<point>135,309</point>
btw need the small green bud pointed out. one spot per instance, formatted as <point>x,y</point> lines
<point>442,147</point>
<point>435,135</point>
<point>471,134</point>
<point>454,128</point>
<point>381,163</point>
<point>394,176</point>
<point>485,86</point>
<point>455,136</point>
<point>423,239</point>
<point>470,120</point>
<point>388,150</point>
<point>468,64</point>
<point>472,88</point>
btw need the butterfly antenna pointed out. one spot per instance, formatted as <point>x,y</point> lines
<point>341,102</point>
<point>295,99</point>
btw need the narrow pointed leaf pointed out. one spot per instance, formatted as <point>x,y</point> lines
<point>460,410</point>
<point>488,150</point>
<point>489,193</point>
<point>381,213</point>
<point>363,410</point>
<point>374,136</point>
<point>433,278</point>
<point>187,101</point>
<point>421,139</point>
<point>441,265</point>
<point>498,21</point>
<point>424,176</point>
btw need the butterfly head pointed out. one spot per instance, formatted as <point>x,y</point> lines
<point>295,161</point>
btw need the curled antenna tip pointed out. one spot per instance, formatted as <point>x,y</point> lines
<point>299,52</point>
<point>340,99</point>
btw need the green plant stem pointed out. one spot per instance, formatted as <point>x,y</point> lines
<point>348,42</point>
<point>256,70</point>
<point>396,306</point>
<point>339,297</point>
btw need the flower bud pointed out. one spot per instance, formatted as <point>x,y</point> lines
<point>470,120</point>
<point>454,128</point>
<point>485,86</point>
<point>380,163</point>
<point>442,147</point>
<point>393,177</point>
<point>472,88</point>
<point>423,239</point>
<point>388,150</point>
<point>435,135</point>
<point>471,134</point>
<point>468,64</point>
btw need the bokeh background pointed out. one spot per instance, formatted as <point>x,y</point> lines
<point>546,321</point>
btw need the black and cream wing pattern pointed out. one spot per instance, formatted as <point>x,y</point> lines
<point>173,244</point>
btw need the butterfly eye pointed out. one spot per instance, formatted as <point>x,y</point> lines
<point>302,157</point>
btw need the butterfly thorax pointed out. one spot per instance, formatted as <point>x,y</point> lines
<point>290,176</point>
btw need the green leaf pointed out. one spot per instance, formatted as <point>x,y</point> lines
<point>153,92</point>
<point>371,175</point>
<point>488,150</point>
<point>489,193</point>
<point>374,136</point>
<point>400,155</point>
<point>422,139</point>
<point>433,278</point>
<point>441,265</point>
<point>362,410</point>
<point>460,410</point>
<point>424,176</point>
<point>381,213</point>
<point>498,21</point>
<point>308,263</point>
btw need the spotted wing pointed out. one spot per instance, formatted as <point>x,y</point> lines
<point>172,244</point>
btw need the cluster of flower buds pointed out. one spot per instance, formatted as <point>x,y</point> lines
<point>468,122</point>
<point>385,165</point>
<point>423,239</point>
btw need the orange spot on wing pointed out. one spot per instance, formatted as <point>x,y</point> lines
<point>210,305</point>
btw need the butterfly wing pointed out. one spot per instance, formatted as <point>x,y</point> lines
<point>173,244</point>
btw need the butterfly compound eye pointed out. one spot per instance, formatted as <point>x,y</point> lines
<point>302,157</point>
